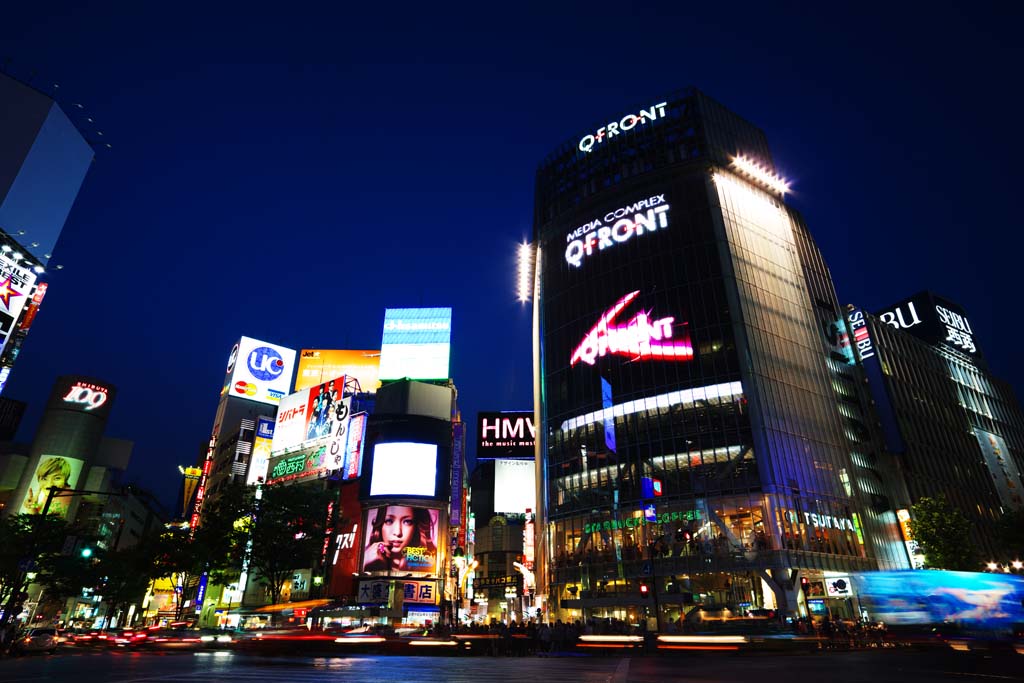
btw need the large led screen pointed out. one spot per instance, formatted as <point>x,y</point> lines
<point>259,371</point>
<point>52,473</point>
<point>314,413</point>
<point>400,539</point>
<point>416,343</point>
<point>319,365</point>
<point>981,600</point>
<point>404,469</point>
<point>514,486</point>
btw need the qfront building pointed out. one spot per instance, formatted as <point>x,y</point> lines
<point>691,449</point>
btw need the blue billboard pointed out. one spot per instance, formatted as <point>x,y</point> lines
<point>416,343</point>
<point>977,600</point>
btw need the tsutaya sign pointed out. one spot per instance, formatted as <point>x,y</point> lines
<point>824,521</point>
<point>626,123</point>
<point>640,338</point>
<point>615,227</point>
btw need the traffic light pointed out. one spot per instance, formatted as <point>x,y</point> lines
<point>804,583</point>
<point>86,552</point>
<point>644,590</point>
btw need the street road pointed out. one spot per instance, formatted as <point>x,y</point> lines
<point>898,666</point>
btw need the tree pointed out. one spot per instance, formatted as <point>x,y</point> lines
<point>1010,533</point>
<point>287,534</point>
<point>944,535</point>
<point>27,543</point>
<point>216,547</point>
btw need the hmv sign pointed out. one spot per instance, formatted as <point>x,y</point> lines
<point>505,435</point>
<point>932,319</point>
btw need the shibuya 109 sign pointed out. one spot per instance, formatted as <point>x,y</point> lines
<point>640,338</point>
<point>626,123</point>
<point>616,227</point>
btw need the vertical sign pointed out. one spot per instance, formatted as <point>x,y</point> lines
<point>455,509</point>
<point>353,465</point>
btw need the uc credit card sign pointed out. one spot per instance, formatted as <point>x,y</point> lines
<point>259,371</point>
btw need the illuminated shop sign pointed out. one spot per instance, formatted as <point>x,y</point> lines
<point>639,338</point>
<point>259,463</point>
<point>823,521</point>
<point>643,517</point>
<point>421,592</point>
<point>626,123</point>
<point>506,434</point>
<point>353,465</point>
<point>616,227</point>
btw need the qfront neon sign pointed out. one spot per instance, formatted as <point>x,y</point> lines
<point>626,123</point>
<point>640,338</point>
<point>618,226</point>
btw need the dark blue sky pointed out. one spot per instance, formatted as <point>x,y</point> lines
<point>288,174</point>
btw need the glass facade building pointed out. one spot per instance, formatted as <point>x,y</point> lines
<point>691,437</point>
<point>955,429</point>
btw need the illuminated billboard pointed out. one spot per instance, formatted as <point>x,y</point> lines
<point>15,289</point>
<point>400,538</point>
<point>259,463</point>
<point>53,472</point>
<point>259,371</point>
<point>318,365</point>
<point>404,468</point>
<point>934,320</point>
<point>314,413</point>
<point>980,600</point>
<point>313,462</point>
<point>416,343</point>
<point>505,435</point>
<point>514,486</point>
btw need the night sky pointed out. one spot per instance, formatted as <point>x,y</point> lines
<point>287,174</point>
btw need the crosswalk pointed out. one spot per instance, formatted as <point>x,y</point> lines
<point>232,668</point>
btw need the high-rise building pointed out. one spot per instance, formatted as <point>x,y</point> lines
<point>955,430</point>
<point>43,161</point>
<point>692,446</point>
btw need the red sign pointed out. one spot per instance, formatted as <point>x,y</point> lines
<point>641,338</point>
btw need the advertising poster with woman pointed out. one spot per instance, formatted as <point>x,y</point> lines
<point>52,472</point>
<point>400,539</point>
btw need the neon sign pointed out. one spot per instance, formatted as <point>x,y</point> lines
<point>646,215</point>
<point>91,396</point>
<point>627,122</point>
<point>640,338</point>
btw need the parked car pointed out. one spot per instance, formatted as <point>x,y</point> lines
<point>35,640</point>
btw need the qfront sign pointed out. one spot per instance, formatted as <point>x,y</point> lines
<point>640,338</point>
<point>616,227</point>
<point>934,320</point>
<point>623,125</point>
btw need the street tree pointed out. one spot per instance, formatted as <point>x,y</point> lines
<point>27,543</point>
<point>1010,534</point>
<point>287,534</point>
<point>944,535</point>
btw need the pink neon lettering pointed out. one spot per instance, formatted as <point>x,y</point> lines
<point>641,337</point>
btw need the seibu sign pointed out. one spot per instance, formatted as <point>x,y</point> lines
<point>616,227</point>
<point>626,123</point>
<point>639,338</point>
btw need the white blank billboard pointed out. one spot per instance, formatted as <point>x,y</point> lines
<point>514,486</point>
<point>403,468</point>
